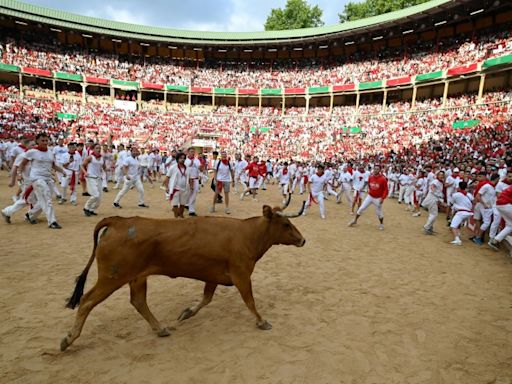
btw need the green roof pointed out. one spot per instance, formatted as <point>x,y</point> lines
<point>73,21</point>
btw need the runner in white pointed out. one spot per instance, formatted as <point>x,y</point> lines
<point>358,184</point>
<point>283,176</point>
<point>345,180</point>
<point>122,154</point>
<point>178,185</point>
<point>434,196</point>
<point>70,161</point>
<point>223,177</point>
<point>485,198</point>
<point>93,168</point>
<point>316,185</point>
<point>131,172</point>
<point>240,165</point>
<point>194,166</point>
<point>496,215</point>
<point>462,205</point>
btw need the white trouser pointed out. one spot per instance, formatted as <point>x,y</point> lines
<point>104,181</point>
<point>367,202</point>
<point>459,218</point>
<point>294,183</point>
<point>346,191</point>
<point>391,188</point>
<point>66,182</point>
<point>408,196</point>
<point>134,182</point>
<point>118,176</point>
<point>433,211</point>
<point>331,191</point>
<point>320,200</point>
<point>285,188</point>
<point>401,192</point>
<point>301,185</point>
<point>54,188</point>
<point>496,220</point>
<point>21,202</point>
<point>42,189</point>
<point>94,187</point>
<point>483,214</point>
<point>506,213</point>
<point>193,196</point>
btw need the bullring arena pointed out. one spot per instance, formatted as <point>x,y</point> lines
<point>412,107</point>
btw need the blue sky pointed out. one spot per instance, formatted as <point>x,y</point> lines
<point>214,15</point>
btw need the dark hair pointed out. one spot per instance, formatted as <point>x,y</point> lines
<point>41,134</point>
<point>494,176</point>
<point>463,185</point>
<point>215,153</point>
<point>180,154</point>
<point>482,173</point>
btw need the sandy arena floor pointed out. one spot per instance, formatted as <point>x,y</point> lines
<point>355,305</point>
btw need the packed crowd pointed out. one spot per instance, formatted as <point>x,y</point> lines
<point>42,51</point>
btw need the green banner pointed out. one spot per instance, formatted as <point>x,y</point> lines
<point>224,91</point>
<point>271,91</point>
<point>261,130</point>
<point>429,76</point>
<point>507,59</point>
<point>176,88</point>
<point>318,89</point>
<point>125,84</point>
<point>68,76</point>
<point>463,124</point>
<point>351,130</point>
<point>9,68</point>
<point>66,116</point>
<point>370,85</point>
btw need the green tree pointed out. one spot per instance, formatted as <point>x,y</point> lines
<point>368,8</point>
<point>296,14</point>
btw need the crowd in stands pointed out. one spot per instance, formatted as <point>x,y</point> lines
<point>42,51</point>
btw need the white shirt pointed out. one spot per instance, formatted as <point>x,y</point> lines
<point>58,150</point>
<point>178,179</point>
<point>25,175</point>
<point>121,157</point>
<point>223,172</point>
<point>95,167</point>
<point>74,165</point>
<point>501,186</point>
<point>358,181</point>
<point>317,183</point>
<point>487,195</point>
<point>345,177</point>
<point>436,189</point>
<point>42,163</point>
<point>193,167</point>
<point>133,167</point>
<point>284,178</point>
<point>462,202</point>
<point>144,160</point>
<point>240,166</point>
<point>404,179</point>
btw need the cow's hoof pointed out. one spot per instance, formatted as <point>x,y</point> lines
<point>64,344</point>
<point>264,325</point>
<point>186,314</point>
<point>164,332</point>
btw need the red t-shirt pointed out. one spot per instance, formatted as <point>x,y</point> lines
<point>505,197</point>
<point>262,167</point>
<point>378,186</point>
<point>253,169</point>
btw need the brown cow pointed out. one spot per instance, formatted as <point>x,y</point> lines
<point>216,250</point>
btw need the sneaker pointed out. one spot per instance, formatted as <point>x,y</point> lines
<point>87,212</point>
<point>6,218</point>
<point>92,213</point>
<point>116,205</point>
<point>352,223</point>
<point>54,225</point>
<point>428,231</point>
<point>338,199</point>
<point>227,210</point>
<point>59,197</point>
<point>73,203</point>
<point>322,217</point>
<point>14,198</point>
<point>105,189</point>
<point>192,214</point>
<point>29,219</point>
<point>242,195</point>
<point>211,209</point>
<point>417,214</point>
<point>456,242</point>
<point>61,201</point>
<point>477,241</point>
<point>493,245</point>
<point>143,205</point>
<point>86,194</point>
<point>381,227</point>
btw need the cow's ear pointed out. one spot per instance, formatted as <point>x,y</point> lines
<point>267,212</point>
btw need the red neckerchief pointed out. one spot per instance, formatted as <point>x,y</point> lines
<point>184,169</point>
<point>285,171</point>
<point>464,192</point>
<point>71,153</point>
<point>96,156</point>
<point>225,161</point>
<point>23,147</point>
<point>40,149</point>
<point>319,175</point>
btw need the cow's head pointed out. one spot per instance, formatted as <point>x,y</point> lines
<point>281,228</point>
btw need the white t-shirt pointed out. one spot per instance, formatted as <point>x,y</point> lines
<point>41,166</point>
<point>25,175</point>
<point>345,177</point>
<point>317,183</point>
<point>133,166</point>
<point>144,160</point>
<point>358,181</point>
<point>74,165</point>
<point>487,195</point>
<point>240,166</point>
<point>58,150</point>
<point>223,173</point>
<point>501,186</point>
<point>284,178</point>
<point>193,167</point>
<point>95,166</point>
<point>462,202</point>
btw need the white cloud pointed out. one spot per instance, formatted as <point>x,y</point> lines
<point>116,14</point>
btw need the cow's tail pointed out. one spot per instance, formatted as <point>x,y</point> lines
<point>74,300</point>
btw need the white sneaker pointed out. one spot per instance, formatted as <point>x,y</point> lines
<point>242,195</point>
<point>322,216</point>
<point>493,245</point>
<point>352,223</point>
<point>456,242</point>
<point>417,214</point>
<point>227,210</point>
<point>381,227</point>
<point>211,210</point>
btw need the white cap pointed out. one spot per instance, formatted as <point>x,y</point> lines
<point>455,170</point>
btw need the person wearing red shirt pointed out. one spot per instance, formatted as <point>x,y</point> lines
<point>377,193</point>
<point>262,170</point>
<point>254,173</point>
<point>504,206</point>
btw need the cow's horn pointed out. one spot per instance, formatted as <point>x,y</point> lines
<point>287,202</point>
<point>292,215</point>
